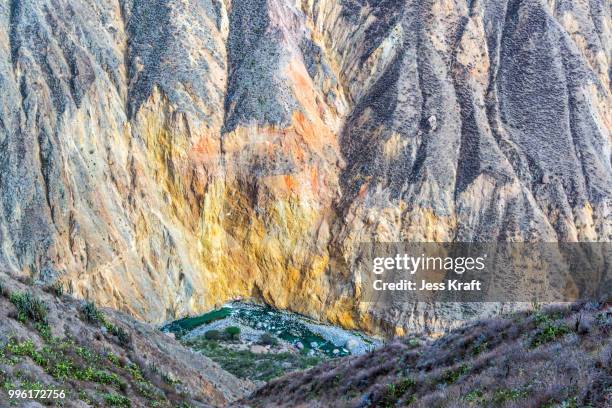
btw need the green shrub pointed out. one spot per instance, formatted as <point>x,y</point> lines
<point>26,348</point>
<point>44,330</point>
<point>113,359</point>
<point>135,372</point>
<point>56,288</point>
<point>168,378</point>
<point>212,335</point>
<point>502,396</point>
<point>29,307</point>
<point>268,340</point>
<point>549,333</point>
<point>451,376</point>
<point>63,369</point>
<point>475,396</point>
<point>92,314</point>
<point>115,400</point>
<point>104,377</point>
<point>233,332</point>
<point>120,333</point>
<point>395,391</point>
<point>95,316</point>
<point>479,348</point>
<point>403,385</point>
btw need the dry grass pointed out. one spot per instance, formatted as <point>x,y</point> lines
<point>558,357</point>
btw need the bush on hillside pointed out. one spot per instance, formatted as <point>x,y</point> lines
<point>267,340</point>
<point>212,335</point>
<point>233,332</point>
<point>29,307</point>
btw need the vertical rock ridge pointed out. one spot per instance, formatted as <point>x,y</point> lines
<point>165,156</point>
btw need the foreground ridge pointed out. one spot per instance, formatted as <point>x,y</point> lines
<point>102,358</point>
<point>555,357</point>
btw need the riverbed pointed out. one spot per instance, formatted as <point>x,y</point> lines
<point>302,333</point>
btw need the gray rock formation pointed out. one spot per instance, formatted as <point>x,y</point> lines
<point>165,156</point>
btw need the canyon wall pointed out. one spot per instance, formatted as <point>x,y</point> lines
<point>165,156</point>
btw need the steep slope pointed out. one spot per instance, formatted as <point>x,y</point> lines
<point>164,156</point>
<point>553,358</point>
<point>99,358</point>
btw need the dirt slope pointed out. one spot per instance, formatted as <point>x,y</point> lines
<point>99,357</point>
<point>559,357</point>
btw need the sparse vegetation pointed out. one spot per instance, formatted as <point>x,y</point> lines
<point>122,336</point>
<point>494,363</point>
<point>66,361</point>
<point>91,313</point>
<point>43,330</point>
<point>503,395</point>
<point>115,400</point>
<point>29,307</point>
<point>451,376</point>
<point>475,396</point>
<point>245,364</point>
<point>103,377</point>
<point>56,288</point>
<point>396,391</point>
<point>60,360</point>
<point>479,346</point>
<point>548,329</point>
<point>113,359</point>
<point>95,316</point>
<point>170,379</point>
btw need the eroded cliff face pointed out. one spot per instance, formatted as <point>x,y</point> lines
<point>165,156</point>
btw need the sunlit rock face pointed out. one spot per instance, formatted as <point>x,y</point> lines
<point>164,156</point>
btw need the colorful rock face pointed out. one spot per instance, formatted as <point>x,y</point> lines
<point>163,157</point>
